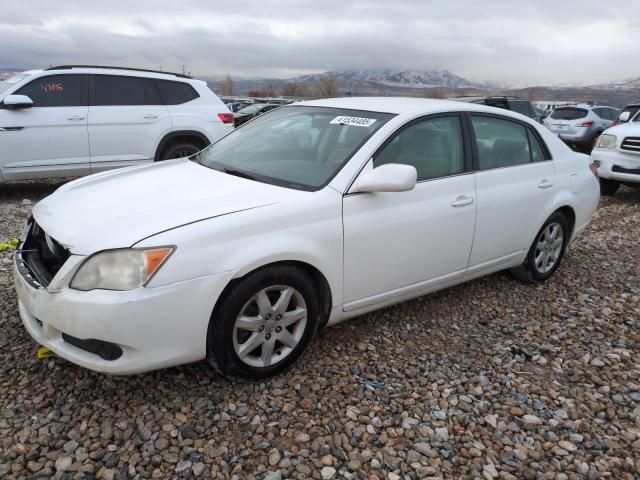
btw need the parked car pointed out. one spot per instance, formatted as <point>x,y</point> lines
<point>514,104</point>
<point>75,120</point>
<point>247,113</point>
<point>307,216</point>
<point>580,125</point>
<point>617,156</point>
<point>237,106</point>
<point>627,113</point>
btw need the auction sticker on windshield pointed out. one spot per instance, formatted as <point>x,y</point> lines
<point>355,121</point>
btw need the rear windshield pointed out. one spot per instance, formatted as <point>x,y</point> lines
<point>568,113</point>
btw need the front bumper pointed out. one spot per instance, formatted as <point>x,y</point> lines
<point>611,160</point>
<point>154,327</point>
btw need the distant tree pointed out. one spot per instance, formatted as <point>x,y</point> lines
<point>434,93</point>
<point>226,87</point>
<point>269,90</point>
<point>295,89</point>
<point>327,86</point>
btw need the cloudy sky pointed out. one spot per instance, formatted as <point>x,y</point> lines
<point>507,41</point>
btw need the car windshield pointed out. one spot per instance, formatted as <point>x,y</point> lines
<point>297,147</point>
<point>568,113</point>
<point>7,83</point>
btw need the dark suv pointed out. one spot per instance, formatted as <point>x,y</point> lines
<point>508,103</point>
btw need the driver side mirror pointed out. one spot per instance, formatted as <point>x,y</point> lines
<point>392,177</point>
<point>15,102</point>
<point>624,116</point>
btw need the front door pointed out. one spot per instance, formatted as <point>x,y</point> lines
<point>403,244</point>
<point>50,138</point>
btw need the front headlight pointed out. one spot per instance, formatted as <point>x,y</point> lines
<point>124,269</point>
<point>607,140</point>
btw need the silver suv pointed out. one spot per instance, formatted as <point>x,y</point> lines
<point>580,125</point>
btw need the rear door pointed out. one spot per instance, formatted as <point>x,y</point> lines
<point>515,182</point>
<point>49,139</point>
<point>127,119</point>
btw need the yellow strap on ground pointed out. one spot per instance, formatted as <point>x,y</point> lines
<point>43,353</point>
<point>9,245</point>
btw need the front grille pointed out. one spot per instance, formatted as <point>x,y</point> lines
<point>42,255</point>
<point>631,171</point>
<point>631,144</point>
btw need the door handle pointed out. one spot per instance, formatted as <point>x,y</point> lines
<point>75,117</point>
<point>461,201</point>
<point>151,117</point>
<point>544,183</point>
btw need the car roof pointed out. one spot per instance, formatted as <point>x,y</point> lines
<point>397,105</point>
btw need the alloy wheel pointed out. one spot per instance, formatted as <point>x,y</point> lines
<point>270,326</point>
<point>548,247</point>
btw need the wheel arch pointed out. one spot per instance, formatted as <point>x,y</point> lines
<point>319,280</point>
<point>181,135</point>
<point>570,214</point>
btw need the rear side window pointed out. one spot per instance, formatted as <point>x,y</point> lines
<point>111,90</point>
<point>176,93</point>
<point>500,143</point>
<point>537,152</point>
<point>56,91</point>
<point>568,113</point>
<point>520,107</point>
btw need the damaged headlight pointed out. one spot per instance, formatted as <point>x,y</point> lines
<point>124,269</point>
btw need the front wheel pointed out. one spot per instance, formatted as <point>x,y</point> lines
<point>179,150</point>
<point>263,324</point>
<point>547,251</point>
<point>608,187</point>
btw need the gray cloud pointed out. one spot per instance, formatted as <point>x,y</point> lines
<point>514,41</point>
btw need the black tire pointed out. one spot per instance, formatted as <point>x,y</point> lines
<point>529,272</point>
<point>221,352</point>
<point>608,187</point>
<point>179,150</point>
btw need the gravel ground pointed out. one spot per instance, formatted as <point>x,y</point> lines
<point>491,379</point>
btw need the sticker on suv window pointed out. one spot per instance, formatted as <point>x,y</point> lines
<point>355,121</point>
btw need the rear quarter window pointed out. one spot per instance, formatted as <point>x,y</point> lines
<point>176,93</point>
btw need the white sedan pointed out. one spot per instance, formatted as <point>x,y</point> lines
<point>304,217</point>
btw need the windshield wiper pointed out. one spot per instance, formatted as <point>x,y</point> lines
<point>239,173</point>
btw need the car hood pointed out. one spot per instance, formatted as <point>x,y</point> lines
<point>631,129</point>
<point>119,208</point>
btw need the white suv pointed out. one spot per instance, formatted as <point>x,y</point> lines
<point>77,120</point>
<point>617,156</point>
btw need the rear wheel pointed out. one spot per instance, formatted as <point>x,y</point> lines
<point>547,251</point>
<point>608,187</point>
<point>179,150</point>
<point>264,324</point>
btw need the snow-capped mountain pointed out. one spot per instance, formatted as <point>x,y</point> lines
<point>627,84</point>
<point>398,79</point>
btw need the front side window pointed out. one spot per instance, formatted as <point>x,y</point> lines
<point>433,146</point>
<point>500,143</point>
<point>294,146</point>
<point>56,91</point>
<point>112,90</point>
